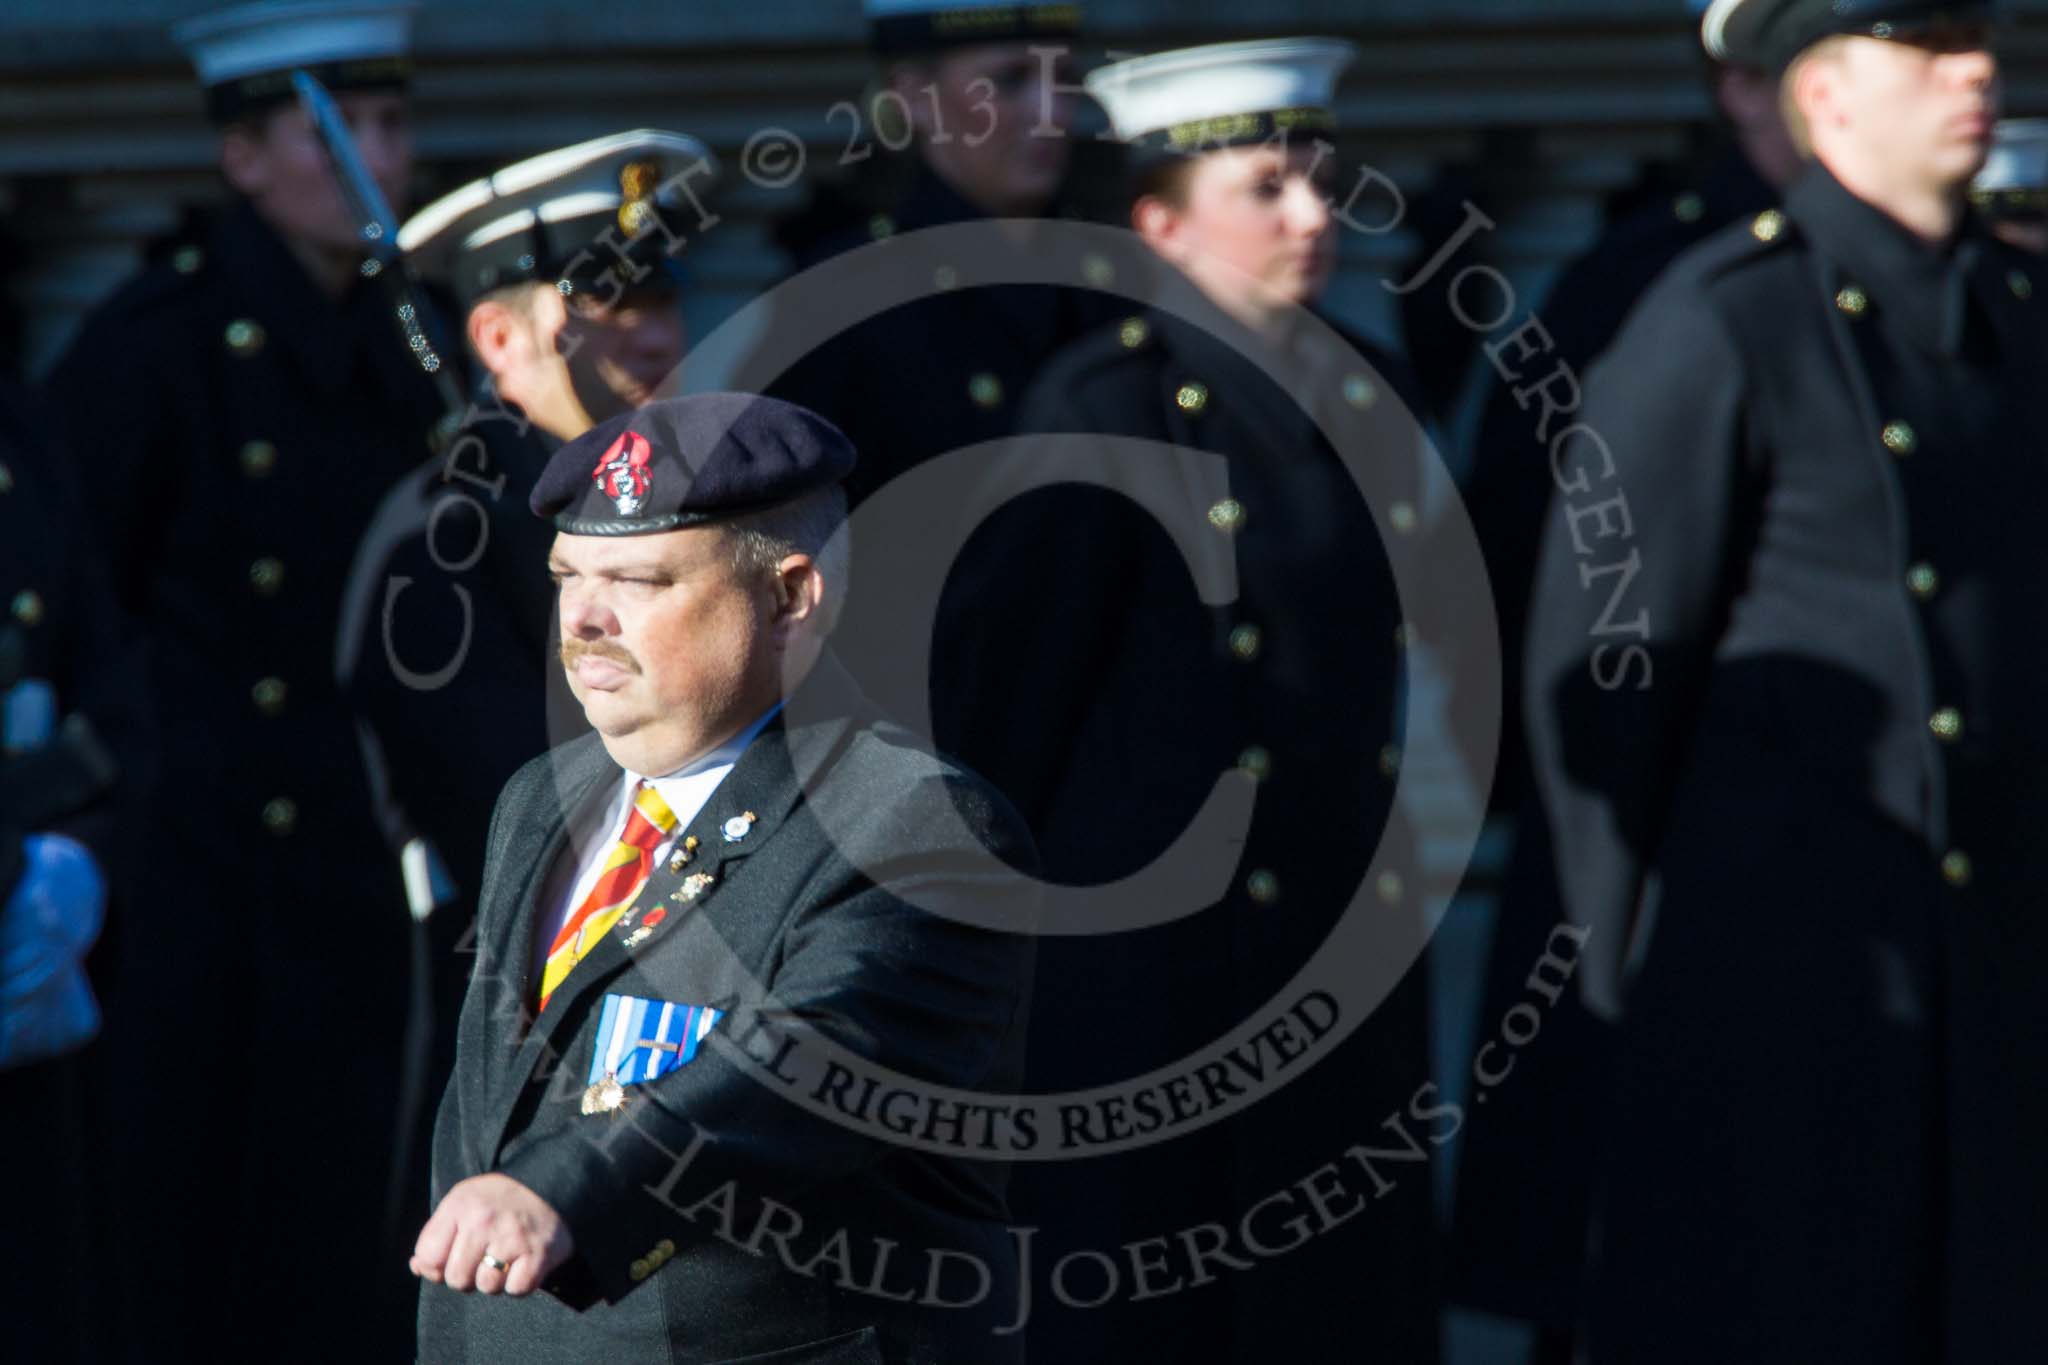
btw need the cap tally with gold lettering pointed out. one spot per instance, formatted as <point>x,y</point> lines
<point>2014,182</point>
<point>1769,34</point>
<point>904,28</point>
<point>595,215</point>
<point>1194,99</point>
<point>245,56</point>
<point>686,461</point>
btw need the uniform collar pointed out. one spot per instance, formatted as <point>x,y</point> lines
<point>1927,287</point>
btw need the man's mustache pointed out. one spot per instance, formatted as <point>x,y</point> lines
<point>572,650</point>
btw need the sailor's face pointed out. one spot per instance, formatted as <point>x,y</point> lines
<point>992,119</point>
<point>1256,221</point>
<point>279,163</point>
<point>620,351</point>
<point>1928,101</point>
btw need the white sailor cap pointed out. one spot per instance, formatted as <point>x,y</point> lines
<point>2014,181</point>
<point>900,28</point>
<point>1196,98</point>
<point>573,216</point>
<point>245,55</point>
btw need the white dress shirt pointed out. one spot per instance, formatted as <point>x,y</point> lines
<point>686,790</point>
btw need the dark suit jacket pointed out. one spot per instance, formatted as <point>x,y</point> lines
<point>683,1205</point>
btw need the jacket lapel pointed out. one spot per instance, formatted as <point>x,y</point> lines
<point>767,783</point>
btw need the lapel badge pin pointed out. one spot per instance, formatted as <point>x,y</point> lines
<point>694,886</point>
<point>647,926</point>
<point>683,854</point>
<point>604,1097</point>
<point>738,827</point>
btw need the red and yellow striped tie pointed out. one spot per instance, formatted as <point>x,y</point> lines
<point>626,870</point>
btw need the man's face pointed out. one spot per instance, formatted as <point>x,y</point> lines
<point>991,125</point>
<point>278,162</point>
<point>619,353</point>
<point>670,650</point>
<point>1925,104</point>
<point>1255,225</point>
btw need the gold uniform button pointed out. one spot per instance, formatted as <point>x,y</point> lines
<point>666,1248</point>
<point>1192,397</point>
<point>27,607</point>
<point>1955,868</point>
<point>6,479</point>
<point>639,1270</point>
<point>1389,887</point>
<point>186,260</point>
<point>266,576</point>
<point>1256,763</point>
<point>269,695</point>
<point>1688,208</point>
<point>945,277</point>
<point>880,226</point>
<point>1947,724</point>
<point>1132,333</point>
<point>2021,284</point>
<point>1263,887</point>
<point>1390,761</point>
<point>1900,439</point>
<point>986,390</point>
<point>1853,301</point>
<point>1097,270</point>
<point>258,458</point>
<point>1360,392</point>
<point>1246,641</point>
<point>1402,517</point>
<point>280,815</point>
<point>1769,226</point>
<point>245,336</point>
<point>1227,516</point>
<point>1923,582</point>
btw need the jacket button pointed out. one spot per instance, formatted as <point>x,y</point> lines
<point>1263,887</point>
<point>258,459</point>
<point>945,277</point>
<point>1923,582</point>
<point>1853,301</point>
<point>1389,887</point>
<point>27,607</point>
<point>666,1248</point>
<point>1132,333</point>
<point>639,1270</point>
<point>1900,439</point>
<point>1227,516</point>
<point>1256,762</point>
<point>1246,642</point>
<point>1360,392</point>
<point>1097,270</point>
<point>266,576</point>
<point>1688,208</point>
<point>1191,397</point>
<point>1769,226</point>
<point>986,390</point>
<point>1947,724</point>
<point>1390,761</point>
<point>1403,518</point>
<point>186,260</point>
<point>2021,284</point>
<point>244,337</point>
<point>268,694</point>
<point>280,815</point>
<point>1955,868</point>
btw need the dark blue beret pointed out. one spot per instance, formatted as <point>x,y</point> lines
<point>684,461</point>
<point>1770,33</point>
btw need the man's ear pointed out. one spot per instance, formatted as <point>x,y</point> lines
<point>496,334</point>
<point>245,159</point>
<point>800,590</point>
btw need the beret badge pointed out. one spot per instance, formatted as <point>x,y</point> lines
<point>624,474</point>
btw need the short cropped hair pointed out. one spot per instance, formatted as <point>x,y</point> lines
<point>762,540</point>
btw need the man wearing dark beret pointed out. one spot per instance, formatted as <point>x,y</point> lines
<point>1783,704</point>
<point>744,867</point>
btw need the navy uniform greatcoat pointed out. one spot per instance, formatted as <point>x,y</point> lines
<point>1784,711</point>
<point>229,430</point>
<point>1079,669</point>
<point>819,911</point>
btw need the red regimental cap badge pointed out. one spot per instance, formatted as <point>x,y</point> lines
<point>623,472</point>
